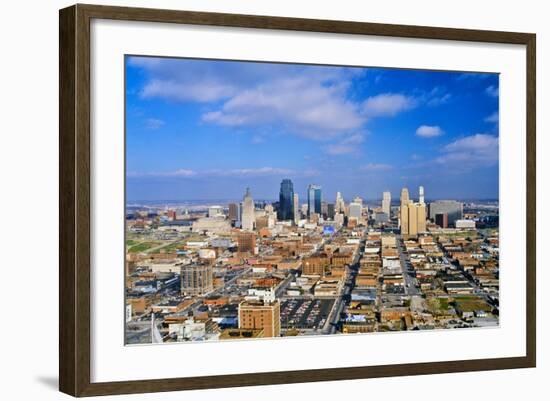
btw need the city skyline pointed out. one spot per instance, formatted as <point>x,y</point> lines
<point>203,129</point>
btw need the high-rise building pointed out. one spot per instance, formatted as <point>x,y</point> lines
<point>246,241</point>
<point>234,211</point>
<point>412,219</point>
<point>421,194</point>
<point>421,218</point>
<point>442,220</point>
<point>359,200</point>
<point>453,209</point>
<point>196,279</point>
<point>404,199</point>
<point>340,205</point>
<point>412,215</point>
<point>314,199</point>
<point>404,211</point>
<point>248,218</point>
<point>286,200</point>
<point>386,203</point>
<point>263,314</point>
<point>324,209</point>
<point>355,210</point>
<point>296,208</point>
<point>330,211</point>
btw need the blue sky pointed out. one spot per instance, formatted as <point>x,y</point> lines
<point>207,129</point>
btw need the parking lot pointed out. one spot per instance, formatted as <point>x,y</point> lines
<point>305,314</point>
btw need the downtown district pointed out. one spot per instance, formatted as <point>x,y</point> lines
<point>240,270</point>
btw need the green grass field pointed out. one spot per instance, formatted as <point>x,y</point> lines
<point>131,242</point>
<point>170,248</point>
<point>142,246</point>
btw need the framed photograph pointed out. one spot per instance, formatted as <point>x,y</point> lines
<point>250,200</point>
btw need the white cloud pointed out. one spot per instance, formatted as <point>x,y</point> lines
<point>492,118</point>
<point>492,91</point>
<point>205,91</point>
<point>437,97</point>
<point>388,104</point>
<point>429,131</point>
<point>376,167</point>
<point>345,146</point>
<point>471,151</point>
<point>154,123</point>
<point>303,106</point>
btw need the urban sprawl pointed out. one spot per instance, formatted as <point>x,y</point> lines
<point>246,269</point>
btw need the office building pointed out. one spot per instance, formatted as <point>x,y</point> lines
<point>196,279</point>
<point>386,203</point>
<point>355,210</point>
<point>261,315</point>
<point>286,200</point>
<point>246,241</point>
<point>442,220</point>
<point>412,215</point>
<point>248,218</point>
<point>404,211</point>
<point>453,209</point>
<point>324,209</point>
<point>421,194</point>
<point>314,199</point>
<point>296,208</point>
<point>340,205</point>
<point>330,211</point>
<point>234,212</point>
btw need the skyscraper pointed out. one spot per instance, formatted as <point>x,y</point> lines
<point>340,206</point>
<point>296,207</point>
<point>234,211</point>
<point>404,211</point>
<point>249,217</point>
<point>355,210</point>
<point>314,199</point>
<point>421,194</point>
<point>286,200</point>
<point>412,215</point>
<point>330,211</point>
<point>386,203</point>
<point>442,220</point>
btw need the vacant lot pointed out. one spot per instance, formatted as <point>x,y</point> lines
<point>470,304</point>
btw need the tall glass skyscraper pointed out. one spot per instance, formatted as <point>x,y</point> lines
<point>286,200</point>
<point>314,199</point>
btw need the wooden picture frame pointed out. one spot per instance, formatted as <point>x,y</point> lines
<point>74,202</point>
